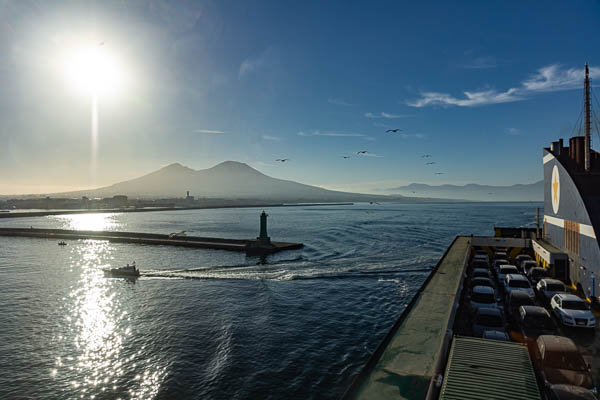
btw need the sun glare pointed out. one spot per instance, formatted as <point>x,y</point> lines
<point>95,71</point>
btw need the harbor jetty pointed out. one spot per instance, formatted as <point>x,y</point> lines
<point>262,245</point>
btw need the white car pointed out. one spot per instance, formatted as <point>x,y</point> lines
<point>572,311</point>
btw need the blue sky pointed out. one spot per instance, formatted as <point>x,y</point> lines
<point>482,87</point>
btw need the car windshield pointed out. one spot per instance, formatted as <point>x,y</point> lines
<point>509,270</point>
<point>533,323</point>
<point>574,305</point>
<point>486,298</point>
<point>481,282</point>
<point>564,360</point>
<point>519,284</point>
<point>555,287</point>
<point>493,321</point>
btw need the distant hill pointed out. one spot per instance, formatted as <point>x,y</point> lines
<point>228,180</point>
<point>474,192</point>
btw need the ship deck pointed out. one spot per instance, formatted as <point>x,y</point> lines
<point>405,362</point>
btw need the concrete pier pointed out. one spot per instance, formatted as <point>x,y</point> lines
<point>241,245</point>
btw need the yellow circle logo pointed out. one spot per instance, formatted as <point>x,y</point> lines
<point>555,184</point>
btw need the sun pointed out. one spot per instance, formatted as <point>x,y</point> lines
<point>93,70</point>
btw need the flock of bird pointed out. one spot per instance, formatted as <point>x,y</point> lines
<point>364,152</point>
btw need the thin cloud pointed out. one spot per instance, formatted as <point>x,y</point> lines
<point>370,155</point>
<point>512,131</point>
<point>550,78</point>
<point>266,60</point>
<point>208,131</point>
<point>272,138</point>
<point>471,99</point>
<point>483,62</point>
<point>338,101</point>
<point>385,115</point>
<point>333,134</point>
<point>380,125</point>
<point>412,135</point>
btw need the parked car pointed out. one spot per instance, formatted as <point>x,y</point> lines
<point>520,258</point>
<point>557,361</point>
<point>535,274</point>
<point>496,335</point>
<point>504,270</point>
<point>516,299</point>
<point>481,255</point>
<point>517,282</point>
<point>482,296</point>
<point>572,311</point>
<point>486,319</point>
<point>480,273</point>
<point>568,392</point>
<point>497,263</point>
<point>480,281</point>
<point>480,263</point>
<point>532,321</point>
<point>527,265</point>
<point>547,288</point>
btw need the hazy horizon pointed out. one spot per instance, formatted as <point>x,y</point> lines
<point>99,93</point>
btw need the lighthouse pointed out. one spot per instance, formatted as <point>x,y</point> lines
<point>263,237</point>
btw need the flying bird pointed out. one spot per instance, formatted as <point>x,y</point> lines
<point>439,173</point>
<point>430,163</point>
<point>393,130</point>
<point>426,156</point>
<point>362,152</point>
<point>283,159</point>
<point>373,202</point>
<point>345,156</point>
<point>414,191</point>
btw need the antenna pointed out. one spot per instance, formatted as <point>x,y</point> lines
<point>587,118</point>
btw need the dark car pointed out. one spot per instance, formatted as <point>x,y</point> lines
<point>504,270</point>
<point>532,321</point>
<point>481,281</point>
<point>558,361</point>
<point>480,273</point>
<point>488,319</point>
<point>517,282</point>
<point>482,296</point>
<point>568,392</point>
<point>478,263</point>
<point>535,274</point>
<point>520,258</point>
<point>547,288</point>
<point>516,299</point>
<point>527,265</point>
<point>497,263</point>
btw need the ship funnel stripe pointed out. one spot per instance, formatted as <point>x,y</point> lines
<point>548,158</point>
<point>584,229</point>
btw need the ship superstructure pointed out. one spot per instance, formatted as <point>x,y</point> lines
<point>572,207</point>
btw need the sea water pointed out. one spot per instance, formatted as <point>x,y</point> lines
<point>208,324</point>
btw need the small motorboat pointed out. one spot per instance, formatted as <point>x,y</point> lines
<point>126,271</point>
<point>63,243</point>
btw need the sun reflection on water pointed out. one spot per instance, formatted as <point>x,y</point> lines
<point>89,222</point>
<point>104,359</point>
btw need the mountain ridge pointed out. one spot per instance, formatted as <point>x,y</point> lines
<point>475,192</point>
